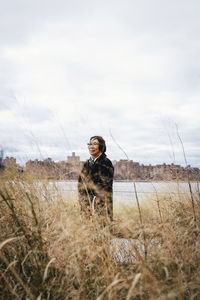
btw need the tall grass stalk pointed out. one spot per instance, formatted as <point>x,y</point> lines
<point>188,175</point>
<point>49,251</point>
<point>136,196</point>
<point>141,221</point>
<point>158,203</point>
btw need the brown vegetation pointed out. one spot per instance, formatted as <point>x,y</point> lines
<point>49,251</point>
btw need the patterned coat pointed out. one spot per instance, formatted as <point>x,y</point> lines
<point>95,186</point>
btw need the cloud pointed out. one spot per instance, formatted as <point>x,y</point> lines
<point>79,68</point>
<point>37,114</point>
<point>7,97</point>
<point>10,149</point>
<point>6,102</point>
<point>30,17</point>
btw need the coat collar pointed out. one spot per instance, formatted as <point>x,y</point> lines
<point>98,159</point>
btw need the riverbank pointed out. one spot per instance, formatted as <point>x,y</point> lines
<point>49,251</point>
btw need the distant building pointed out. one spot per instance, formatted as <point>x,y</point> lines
<point>74,160</point>
<point>10,161</point>
<point>70,168</point>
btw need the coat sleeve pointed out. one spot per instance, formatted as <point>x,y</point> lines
<point>81,184</point>
<point>105,191</point>
<point>106,174</point>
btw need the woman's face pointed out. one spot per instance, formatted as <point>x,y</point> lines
<point>94,148</point>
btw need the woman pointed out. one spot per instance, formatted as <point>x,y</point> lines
<point>96,180</point>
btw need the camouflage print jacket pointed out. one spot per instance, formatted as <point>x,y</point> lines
<point>95,184</point>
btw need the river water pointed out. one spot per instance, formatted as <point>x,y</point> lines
<point>124,192</point>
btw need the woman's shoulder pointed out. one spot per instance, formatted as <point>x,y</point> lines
<point>105,160</point>
<point>86,162</point>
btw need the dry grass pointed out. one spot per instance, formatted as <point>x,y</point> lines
<point>49,251</point>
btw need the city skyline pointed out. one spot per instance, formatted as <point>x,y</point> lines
<point>76,159</point>
<point>124,169</point>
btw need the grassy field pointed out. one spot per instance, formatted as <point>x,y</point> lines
<point>49,251</point>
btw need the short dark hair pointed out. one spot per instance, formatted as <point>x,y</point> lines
<point>102,143</point>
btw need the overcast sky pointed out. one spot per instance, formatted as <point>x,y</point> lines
<point>127,70</point>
